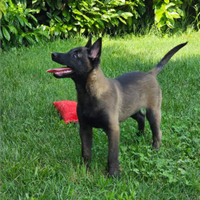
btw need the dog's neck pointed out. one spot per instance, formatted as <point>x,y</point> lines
<point>96,82</point>
<point>95,85</point>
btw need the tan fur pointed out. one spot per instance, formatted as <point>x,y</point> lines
<point>96,83</point>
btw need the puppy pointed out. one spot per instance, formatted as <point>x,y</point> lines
<point>104,102</point>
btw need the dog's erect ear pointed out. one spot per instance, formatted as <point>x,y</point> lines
<point>95,49</point>
<point>89,43</point>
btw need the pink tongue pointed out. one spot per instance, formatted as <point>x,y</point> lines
<point>61,69</point>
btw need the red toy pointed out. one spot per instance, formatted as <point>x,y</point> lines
<point>67,110</point>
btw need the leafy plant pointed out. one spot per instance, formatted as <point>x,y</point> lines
<point>166,12</point>
<point>96,16</point>
<point>196,21</point>
<point>26,22</point>
<point>18,24</point>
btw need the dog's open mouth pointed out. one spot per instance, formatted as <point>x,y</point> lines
<point>61,71</point>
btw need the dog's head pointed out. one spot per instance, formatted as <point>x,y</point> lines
<point>78,62</point>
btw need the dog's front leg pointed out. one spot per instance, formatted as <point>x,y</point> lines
<point>86,140</point>
<point>113,154</point>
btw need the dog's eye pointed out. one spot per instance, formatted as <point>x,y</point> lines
<point>75,56</point>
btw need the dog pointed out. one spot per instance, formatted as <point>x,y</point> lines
<point>104,102</point>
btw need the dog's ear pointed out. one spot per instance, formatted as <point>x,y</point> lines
<point>89,43</point>
<point>95,50</point>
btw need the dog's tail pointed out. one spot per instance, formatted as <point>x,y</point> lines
<point>159,67</point>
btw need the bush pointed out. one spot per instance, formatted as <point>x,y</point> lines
<point>26,22</point>
<point>83,16</point>
<point>18,25</point>
<point>176,14</point>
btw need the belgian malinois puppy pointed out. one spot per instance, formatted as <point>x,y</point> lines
<point>104,102</point>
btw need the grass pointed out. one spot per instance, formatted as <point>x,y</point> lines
<point>41,156</point>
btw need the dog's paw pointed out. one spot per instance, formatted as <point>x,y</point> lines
<point>113,173</point>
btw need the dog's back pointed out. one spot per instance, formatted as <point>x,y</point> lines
<point>148,92</point>
<point>141,89</point>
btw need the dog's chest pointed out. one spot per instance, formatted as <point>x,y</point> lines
<point>93,116</point>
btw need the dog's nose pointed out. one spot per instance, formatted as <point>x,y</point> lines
<point>54,55</point>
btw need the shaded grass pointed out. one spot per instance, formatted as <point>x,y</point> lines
<point>40,155</point>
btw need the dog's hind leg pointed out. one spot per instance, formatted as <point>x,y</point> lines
<point>154,118</point>
<point>140,118</point>
<point>86,140</point>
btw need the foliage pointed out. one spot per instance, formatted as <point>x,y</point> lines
<point>27,21</point>
<point>196,21</point>
<point>18,24</point>
<point>90,16</point>
<point>166,12</point>
<point>173,13</point>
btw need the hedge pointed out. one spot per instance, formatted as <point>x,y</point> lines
<point>28,21</point>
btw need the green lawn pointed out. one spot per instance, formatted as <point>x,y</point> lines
<point>41,156</point>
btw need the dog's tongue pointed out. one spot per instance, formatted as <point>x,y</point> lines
<point>60,71</point>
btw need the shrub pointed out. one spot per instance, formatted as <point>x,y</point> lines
<point>166,12</point>
<point>83,16</point>
<point>176,14</point>
<point>18,25</point>
<point>27,21</point>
